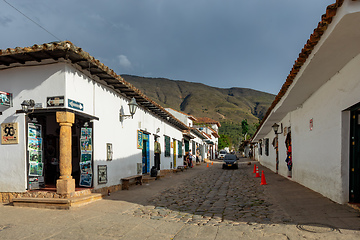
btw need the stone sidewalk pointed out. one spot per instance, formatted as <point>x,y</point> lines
<point>200,203</point>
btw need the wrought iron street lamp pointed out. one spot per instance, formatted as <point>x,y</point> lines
<point>275,127</point>
<point>132,108</point>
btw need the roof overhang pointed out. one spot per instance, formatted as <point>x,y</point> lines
<point>338,45</point>
<point>209,142</point>
<point>67,52</point>
<point>198,133</point>
<point>188,135</point>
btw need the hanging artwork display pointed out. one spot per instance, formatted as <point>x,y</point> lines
<point>86,133</point>
<point>86,157</point>
<point>86,145</point>
<point>85,180</point>
<point>85,167</point>
<point>139,139</point>
<point>34,146</point>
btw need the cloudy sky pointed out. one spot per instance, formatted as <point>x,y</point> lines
<point>221,43</point>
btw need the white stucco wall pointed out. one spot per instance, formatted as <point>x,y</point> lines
<point>36,82</point>
<point>104,103</point>
<point>321,155</point>
<point>184,118</point>
<point>325,164</point>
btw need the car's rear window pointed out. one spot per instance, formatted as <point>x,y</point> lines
<point>230,157</point>
<point>222,152</point>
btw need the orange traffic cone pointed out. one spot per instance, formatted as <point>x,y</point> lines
<point>257,172</point>
<point>207,165</point>
<point>212,163</point>
<point>263,181</point>
<point>254,168</point>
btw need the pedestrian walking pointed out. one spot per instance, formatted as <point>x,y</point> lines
<point>190,159</point>
<point>197,156</point>
<point>186,159</point>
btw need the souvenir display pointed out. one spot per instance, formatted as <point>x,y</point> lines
<point>86,157</point>
<point>34,146</point>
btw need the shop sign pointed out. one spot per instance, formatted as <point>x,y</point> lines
<point>55,101</point>
<point>9,133</point>
<point>75,105</point>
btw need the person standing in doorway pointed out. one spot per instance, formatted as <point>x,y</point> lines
<point>157,151</point>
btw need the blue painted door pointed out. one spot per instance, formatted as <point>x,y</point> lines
<point>146,154</point>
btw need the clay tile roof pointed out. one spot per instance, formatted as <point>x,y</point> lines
<point>68,52</point>
<point>326,19</point>
<point>206,120</point>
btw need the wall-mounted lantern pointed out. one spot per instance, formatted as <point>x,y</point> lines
<point>132,108</point>
<point>27,105</point>
<point>275,127</point>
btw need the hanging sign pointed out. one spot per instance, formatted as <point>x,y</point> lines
<point>139,139</point>
<point>9,133</point>
<point>75,105</point>
<point>55,101</point>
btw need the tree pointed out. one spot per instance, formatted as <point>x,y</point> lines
<point>244,127</point>
<point>224,141</point>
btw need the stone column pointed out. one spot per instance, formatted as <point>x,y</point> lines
<point>65,184</point>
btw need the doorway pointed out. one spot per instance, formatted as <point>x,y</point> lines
<point>146,154</point>
<point>174,153</point>
<point>354,191</point>
<point>157,152</point>
<point>49,132</point>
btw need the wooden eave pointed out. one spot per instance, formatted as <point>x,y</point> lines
<point>305,53</point>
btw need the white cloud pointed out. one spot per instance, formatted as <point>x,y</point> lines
<point>124,61</point>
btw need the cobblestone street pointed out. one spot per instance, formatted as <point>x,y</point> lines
<point>215,197</point>
<point>200,203</point>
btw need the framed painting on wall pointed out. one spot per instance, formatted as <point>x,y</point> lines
<point>102,174</point>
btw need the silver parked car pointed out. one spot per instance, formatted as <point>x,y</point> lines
<point>222,154</point>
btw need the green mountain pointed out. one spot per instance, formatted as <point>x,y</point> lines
<point>224,105</point>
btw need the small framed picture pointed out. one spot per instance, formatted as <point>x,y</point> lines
<point>109,152</point>
<point>102,174</point>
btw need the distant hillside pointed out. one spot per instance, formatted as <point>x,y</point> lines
<point>199,100</point>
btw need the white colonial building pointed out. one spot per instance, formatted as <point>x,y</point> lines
<point>203,138</point>
<point>65,122</point>
<point>317,111</point>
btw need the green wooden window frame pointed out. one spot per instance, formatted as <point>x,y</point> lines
<point>167,146</point>
<point>180,149</point>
